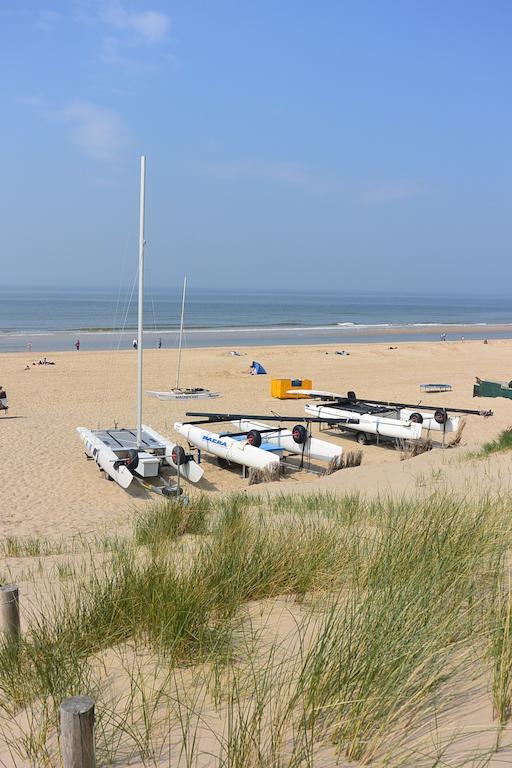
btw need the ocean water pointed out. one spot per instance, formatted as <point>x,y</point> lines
<point>48,318</point>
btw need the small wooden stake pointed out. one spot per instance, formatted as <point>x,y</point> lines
<point>77,732</point>
<point>10,612</point>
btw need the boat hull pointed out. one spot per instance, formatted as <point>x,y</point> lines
<point>226,447</point>
<point>313,448</point>
<point>370,423</point>
<point>104,457</point>
<point>171,395</point>
<point>429,423</point>
<point>190,470</point>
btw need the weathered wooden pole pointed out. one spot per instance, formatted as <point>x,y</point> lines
<point>77,732</point>
<point>10,612</point>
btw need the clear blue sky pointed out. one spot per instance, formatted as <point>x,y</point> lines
<point>358,145</point>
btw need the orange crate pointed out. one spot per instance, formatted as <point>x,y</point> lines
<point>279,388</point>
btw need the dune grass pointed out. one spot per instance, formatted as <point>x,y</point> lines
<point>502,443</point>
<point>393,605</point>
<point>167,519</point>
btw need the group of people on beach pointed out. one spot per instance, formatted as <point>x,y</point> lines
<point>134,344</point>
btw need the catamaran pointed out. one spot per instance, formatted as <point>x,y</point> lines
<point>139,454</point>
<point>385,418</point>
<point>255,443</point>
<point>177,392</point>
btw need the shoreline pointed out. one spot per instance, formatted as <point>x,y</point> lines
<point>59,341</point>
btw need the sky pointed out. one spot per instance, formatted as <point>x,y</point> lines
<point>359,145</point>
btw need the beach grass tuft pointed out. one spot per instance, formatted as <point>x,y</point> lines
<point>502,443</point>
<point>167,519</point>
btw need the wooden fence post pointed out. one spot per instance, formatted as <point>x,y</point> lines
<point>10,612</point>
<point>77,732</point>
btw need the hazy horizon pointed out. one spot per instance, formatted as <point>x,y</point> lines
<point>191,290</point>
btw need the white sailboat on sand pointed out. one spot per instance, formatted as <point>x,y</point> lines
<point>177,392</point>
<point>139,454</point>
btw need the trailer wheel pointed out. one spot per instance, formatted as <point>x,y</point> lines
<point>132,460</point>
<point>254,438</point>
<point>441,417</point>
<point>362,438</point>
<point>416,418</point>
<point>223,463</point>
<point>299,434</point>
<point>178,455</point>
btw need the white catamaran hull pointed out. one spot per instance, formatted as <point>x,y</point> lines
<point>312,447</point>
<point>429,422</point>
<point>105,457</point>
<point>370,423</point>
<point>190,470</point>
<point>172,395</point>
<point>226,447</point>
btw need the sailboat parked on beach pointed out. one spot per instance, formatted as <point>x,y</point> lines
<point>139,453</point>
<point>177,392</point>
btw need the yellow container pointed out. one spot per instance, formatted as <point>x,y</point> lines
<point>279,388</point>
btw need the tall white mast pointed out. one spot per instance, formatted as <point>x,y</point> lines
<point>181,331</point>
<point>140,341</point>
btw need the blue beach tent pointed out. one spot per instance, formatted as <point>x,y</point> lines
<point>257,367</point>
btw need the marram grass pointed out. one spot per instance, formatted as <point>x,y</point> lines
<point>502,443</point>
<point>395,605</point>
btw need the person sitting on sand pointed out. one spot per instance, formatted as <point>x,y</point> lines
<point>256,368</point>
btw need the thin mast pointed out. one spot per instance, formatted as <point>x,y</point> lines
<point>140,322</point>
<point>181,331</point>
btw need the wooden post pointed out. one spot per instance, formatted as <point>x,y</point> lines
<point>10,612</point>
<point>77,732</point>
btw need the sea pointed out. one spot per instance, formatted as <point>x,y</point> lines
<point>46,319</point>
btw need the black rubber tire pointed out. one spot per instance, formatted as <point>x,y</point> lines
<point>254,438</point>
<point>132,460</point>
<point>351,395</point>
<point>416,418</point>
<point>441,417</point>
<point>362,438</point>
<point>223,463</point>
<point>178,455</point>
<point>299,434</point>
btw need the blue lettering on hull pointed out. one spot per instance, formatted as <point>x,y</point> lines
<point>214,440</point>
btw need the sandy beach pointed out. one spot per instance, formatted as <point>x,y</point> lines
<point>49,488</point>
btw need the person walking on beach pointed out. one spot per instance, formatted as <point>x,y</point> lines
<point>77,345</point>
<point>134,343</point>
<point>159,342</point>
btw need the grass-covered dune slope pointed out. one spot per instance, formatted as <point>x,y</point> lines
<point>292,631</point>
